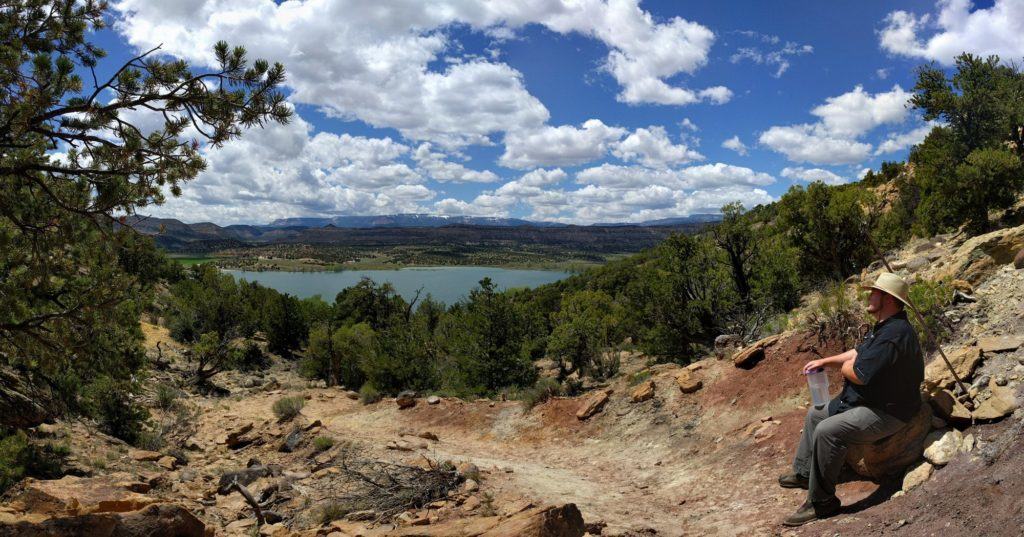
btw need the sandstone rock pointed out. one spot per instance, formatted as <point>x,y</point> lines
<point>244,477</point>
<point>549,521</point>
<point>917,264</point>
<point>468,470</point>
<point>167,462</point>
<point>892,454</point>
<point>964,361</point>
<point>981,255</point>
<point>433,400</point>
<point>917,475</point>
<point>291,441</point>
<point>471,503</point>
<point>951,409</point>
<point>1000,404</point>
<point>143,455</point>
<point>352,395</point>
<point>643,392</point>
<point>470,486</point>
<point>593,405</point>
<point>427,435</point>
<point>687,383</point>
<point>749,356</point>
<point>79,496</point>
<point>1000,343</point>
<point>236,438</point>
<point>963,286</point>
<point>413,519</point>
<point>968,444</point>
<point>160,520</point>
<point>1018,260</point>
<point>406,399</point>
<point>941,446</point>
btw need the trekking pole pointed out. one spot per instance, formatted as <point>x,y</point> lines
<point>920,319</point>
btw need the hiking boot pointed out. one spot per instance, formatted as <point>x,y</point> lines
<point>812,511</point>
<point>793,481</point>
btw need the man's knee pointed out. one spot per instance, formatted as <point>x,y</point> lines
<point>830,430</point>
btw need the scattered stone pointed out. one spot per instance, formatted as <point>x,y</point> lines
<point>243,477</point>
<point>291,441</point>
<point>1000,380</point>
<point>964,361</point>
<point>593,405</point>
<point>471,503</point>
<point>167,463</point>
<point>643,392</point>
<point>406,399</point>
<point>917,263</point>
<point>427,435</point>
<point>411,519</point>
<point>687,383</point>
<point>236,438</point>
<point>1000,404</point>
<point>1000,343</point>
<point>941,446</point>
<point>468,470</point>
<point>352,395</point>
<point>1018,260</point>
<point>433,400</point>
<point>917,475</point>
<point>399,445</point>
<point>470,486</point>
<point>949,408</point>
<point>143,455</point>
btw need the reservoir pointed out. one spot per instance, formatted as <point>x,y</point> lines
<point>445,284</point>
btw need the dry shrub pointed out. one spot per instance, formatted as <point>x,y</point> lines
<point>836,317</point>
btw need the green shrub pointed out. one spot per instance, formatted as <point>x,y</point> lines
<point>166,396</point>
<point>109,402</point>
<point>323,443</point>
<point>287,408</point>
<point>149,439</point>
<point>931,299</point>
<point>544,389</point>
<point>638,377</point>
<point>20,458</point>
<point>369,394</point>
<point>836,317</point>
<point>252,358</point>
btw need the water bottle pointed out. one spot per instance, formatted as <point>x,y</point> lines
<point>817,380</point>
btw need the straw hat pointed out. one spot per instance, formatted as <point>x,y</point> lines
<point>891,284</point>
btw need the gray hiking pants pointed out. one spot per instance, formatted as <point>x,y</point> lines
<point>822,449</point>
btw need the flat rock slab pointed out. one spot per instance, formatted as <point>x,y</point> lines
<point>1000,343</point>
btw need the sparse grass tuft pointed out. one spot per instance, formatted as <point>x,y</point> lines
<point>323,443</point>
<point>369,394</point>
<point>287,408</point>
<point>638,377</point>
<point>166,396</point>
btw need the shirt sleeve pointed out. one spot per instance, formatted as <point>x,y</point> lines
<point>873,359</point>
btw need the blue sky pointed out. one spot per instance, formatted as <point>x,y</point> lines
<point>583,111</point>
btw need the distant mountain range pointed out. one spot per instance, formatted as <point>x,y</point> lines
<point>430,220</point>
<point>408,229</point>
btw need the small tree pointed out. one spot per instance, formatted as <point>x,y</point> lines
<point>587,327</point>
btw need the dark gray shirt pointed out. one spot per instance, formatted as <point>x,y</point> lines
<point>890,364</point>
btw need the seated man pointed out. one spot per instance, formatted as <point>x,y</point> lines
<point>880,395</point>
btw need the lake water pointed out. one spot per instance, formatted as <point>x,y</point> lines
<point>446,284</point>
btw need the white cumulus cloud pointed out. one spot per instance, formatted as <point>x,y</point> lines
<point>955,28</point>
<point>564,145</point>
<point>736,145</point>
<point>809,175</point>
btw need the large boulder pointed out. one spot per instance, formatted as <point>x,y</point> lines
<point>79,495</point>
<point>1000,343</point>
<point>889,456</point>
<point>981,255</point>
<point>593,404</point>
<point>159,520</point>
<point>749,356</point>
<point>1001,403</point>
<point>23,403</point>
<point>727,344</point>
<point>406,399</point>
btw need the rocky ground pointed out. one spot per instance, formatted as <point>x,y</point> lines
<point>660,450</point>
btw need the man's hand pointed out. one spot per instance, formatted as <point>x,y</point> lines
<point>815,364</point>
<point>831,361</point>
